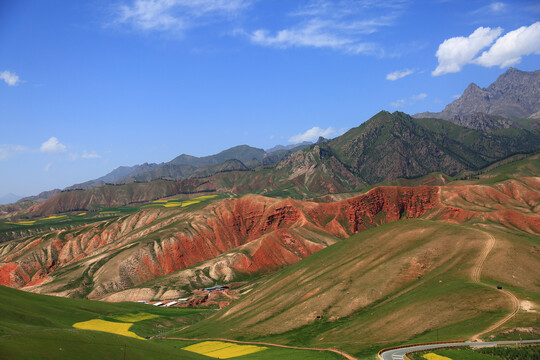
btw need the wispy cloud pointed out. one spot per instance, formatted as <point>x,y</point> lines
<point>90,155</point>
<point>7,150</point>
<point>52,146</point>
<point>397,103</point>
<point>393,76</point>
<point>400,103</point>
<point>9,78</point>
<point>456,52</point>
<point>48,166</point>
<point>496,7</point>
<point>338,25</point>
<point>176,15</point>
<point>510,48</point>
<point>314,133</point>
<point>417,97</point>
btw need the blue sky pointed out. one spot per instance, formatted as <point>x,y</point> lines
<point>86,86</point>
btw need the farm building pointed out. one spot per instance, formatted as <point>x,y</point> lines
<point>217,288</point>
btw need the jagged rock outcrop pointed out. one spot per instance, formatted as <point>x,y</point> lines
<point>515,94</point>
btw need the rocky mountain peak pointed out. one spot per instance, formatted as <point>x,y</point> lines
<point>514,95</point>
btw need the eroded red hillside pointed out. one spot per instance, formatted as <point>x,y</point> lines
<point>247,235</point>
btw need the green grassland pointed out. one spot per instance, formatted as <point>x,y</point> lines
<point>36,326</point>
<point>40,327</point>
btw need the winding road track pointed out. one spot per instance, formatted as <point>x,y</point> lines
<point>399,354</point>
<point>475,277</point>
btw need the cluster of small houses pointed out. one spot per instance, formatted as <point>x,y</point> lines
<point>185,301</point>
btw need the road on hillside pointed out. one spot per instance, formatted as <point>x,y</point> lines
<point>475,277</point>
<point>399,354</point>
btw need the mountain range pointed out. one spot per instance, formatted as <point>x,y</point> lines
<point>511,103</point>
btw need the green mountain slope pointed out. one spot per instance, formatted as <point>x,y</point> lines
<point>244,153</point>
<point>391,146</point>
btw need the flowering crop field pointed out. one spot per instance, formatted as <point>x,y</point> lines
<point>134,317</point>
<point>172,204</point>
<point>54,217</point>
<point>31,222</point>
<point>107,326</point>
<point>433,356</point>
<point>204,197</point>
<point>223,350</point>
<point>190,202</point>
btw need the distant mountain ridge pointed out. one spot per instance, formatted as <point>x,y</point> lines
<point>382,149</point>
<point>185,166</point>
<point>9,198</point>
<point>288,147</point>
<point>239,158</point>
<point>514,95</point>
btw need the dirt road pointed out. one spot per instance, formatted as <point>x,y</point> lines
<point>475,277</point>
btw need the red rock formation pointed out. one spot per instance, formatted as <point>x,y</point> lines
<point>267,234</point>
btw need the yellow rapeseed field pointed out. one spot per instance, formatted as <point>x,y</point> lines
<point>223,350</point>
<point>204,197</point>
<point>54,217</point>
<point>190,202</point>
<point>81,214</point>
<point>22,222</point>
<point>134,317</point>
<point>172,204</point>
<point>107,326</point>
<point>433,356</point>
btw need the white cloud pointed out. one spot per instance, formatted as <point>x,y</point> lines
<point>490,9</point>
<point>52,146</point>
<point>510,48</point>
<point>497,6</point>
<point>176,15</point>
<point>90,155</point>
<point>337,25</point>
<point>406,102</point>
<point>9,78</point>
<point>314,133</point>
<point>399,74</point>
<point>7,150</point>
<point>48,166</point>
<point>454,53</point>
<point>421,96</point>
<point>398,103</point>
